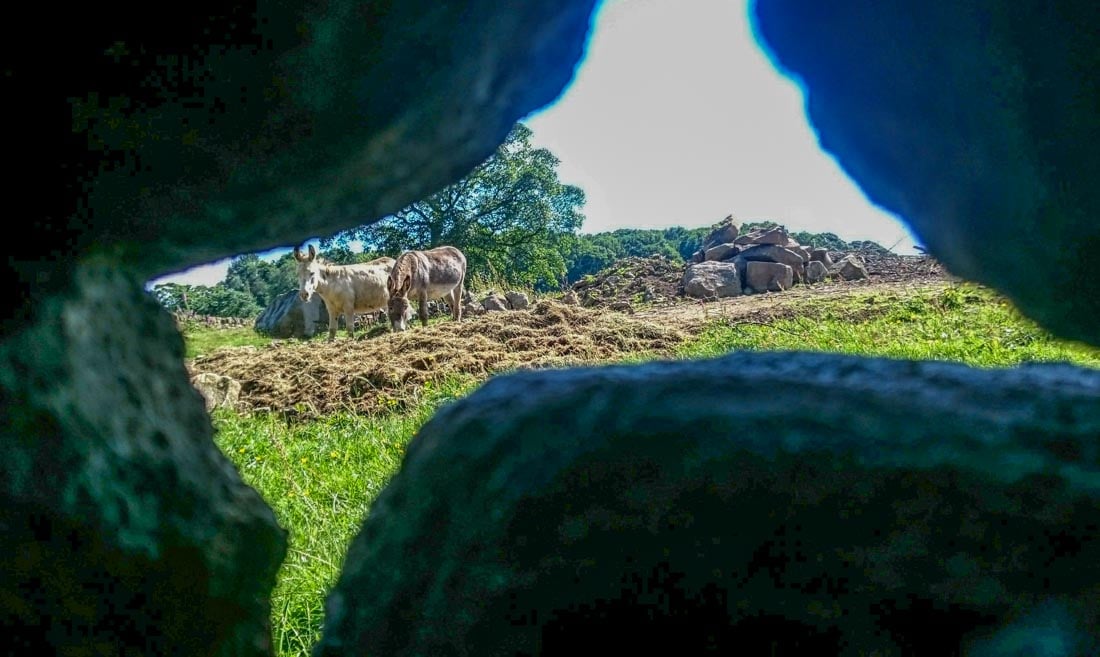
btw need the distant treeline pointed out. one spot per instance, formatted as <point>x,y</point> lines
<point>251,284</point>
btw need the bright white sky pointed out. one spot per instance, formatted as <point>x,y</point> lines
<point>677,118</point>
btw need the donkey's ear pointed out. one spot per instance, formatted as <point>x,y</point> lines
<point>312,252</point>
<point>298,254</point>
<point>406,285</point>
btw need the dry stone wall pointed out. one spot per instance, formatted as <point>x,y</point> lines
<point>819,503</point>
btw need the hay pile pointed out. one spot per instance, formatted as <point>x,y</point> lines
<point>388,371</point>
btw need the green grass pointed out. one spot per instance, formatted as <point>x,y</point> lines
<point>321,477</point>
<point>202,340</point>
<point>961,323</point>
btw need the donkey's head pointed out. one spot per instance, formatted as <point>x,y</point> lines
<point>309,272</point>
<point>399,309</point>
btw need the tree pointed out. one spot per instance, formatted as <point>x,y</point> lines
<point>820,240</point>
<point>173,296</point>
<point>260,279</point>
<point>216,301</point>
<point>511,216</point>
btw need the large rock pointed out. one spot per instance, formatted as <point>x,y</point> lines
<point>770,276</point>
<point>710,280</point>
<point>724,232</point>
<point>494,302</point>
<point>733,506</point>
<point>777,236</point>
<point>822,256</point>
<point>517,300</point>
<point>126,530</point>
<point>991,142</point>
<point>816,271</point>
<point>850,268</point>
<point>772,253</point>
<point>290,317</point>
<point>721,252</point>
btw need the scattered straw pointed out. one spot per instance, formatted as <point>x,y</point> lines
<point>388,371</point>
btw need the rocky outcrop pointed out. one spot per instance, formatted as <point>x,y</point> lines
<point>775,246</point>
<point>733,506</point>
<point>290,317</point>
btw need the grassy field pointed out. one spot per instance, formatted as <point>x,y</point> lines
<point>320,477</point>
<point>199,339</point>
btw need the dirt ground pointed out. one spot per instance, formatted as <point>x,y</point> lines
<point>389,370</point>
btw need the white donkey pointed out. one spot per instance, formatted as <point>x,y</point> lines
<point>346,289</point>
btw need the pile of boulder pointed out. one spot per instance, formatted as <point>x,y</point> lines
<point>763,260</point>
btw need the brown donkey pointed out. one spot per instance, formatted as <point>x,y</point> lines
<point>422,275</point>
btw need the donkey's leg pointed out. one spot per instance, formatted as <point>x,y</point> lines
<point>424,310</point>
<point>349,317</point>
<point>456,303</point>
<point>333,321</point>
<point>460,291</point>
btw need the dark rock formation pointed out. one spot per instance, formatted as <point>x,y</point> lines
<point>126,531</point>
<point>758,503</point>
<point>232,129</point>
<point>972,122</point>
<point>832,505</point>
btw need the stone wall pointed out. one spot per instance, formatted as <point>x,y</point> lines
<point>888,502</point>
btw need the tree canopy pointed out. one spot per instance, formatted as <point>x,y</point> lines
<point>511,216</point>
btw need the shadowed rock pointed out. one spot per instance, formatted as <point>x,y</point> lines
<point>126,530</point>
<point>970,122</point>
<point>237,128</point>
<point>750,503</point>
